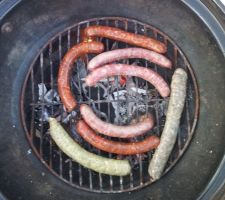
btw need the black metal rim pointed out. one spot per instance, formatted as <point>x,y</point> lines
<point>198,10</point>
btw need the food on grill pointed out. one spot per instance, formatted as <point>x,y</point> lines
<point>65,67</point>
<point>91,32</point>
<point>129,70</point>
<point>114,130</point>
<point>110,146</point>
<point>85,158</point>
<point>169,134</point>
<point>119,54</point>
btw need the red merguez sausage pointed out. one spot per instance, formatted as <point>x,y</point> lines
<point>65,67</point>
<point>129,70</point>
<point>122,148</point>
<point>117,34</point>
<point>119,54</point>
<point>114,130</point>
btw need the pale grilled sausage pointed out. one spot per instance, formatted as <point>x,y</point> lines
<point>112,130</point>
<point>85,158</point>
<point>129,70</point>
<point>169,134</point>
<point>120,54</point>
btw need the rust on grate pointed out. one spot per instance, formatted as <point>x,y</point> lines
<point>39,100</point>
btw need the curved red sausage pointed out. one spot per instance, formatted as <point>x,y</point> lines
<point>114,130</point>
<point>117,34</point>
<point>119,54</point>
<point>129,70</point>
<point>121,148</point>
<point>65,67</point>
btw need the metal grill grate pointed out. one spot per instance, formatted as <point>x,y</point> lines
<point>40,99</point>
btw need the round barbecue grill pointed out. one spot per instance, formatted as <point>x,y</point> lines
<point>40,99</point>
<point>33,43</point>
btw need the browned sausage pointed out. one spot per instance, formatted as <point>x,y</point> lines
<point>122,148</point>
<point>91,32</point>
<point>65,67</point>
<point>114,130</point>
<point>119,54</point>
<point>129,70</point>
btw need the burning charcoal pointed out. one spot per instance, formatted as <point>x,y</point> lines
<point>120,95</point>
<point>37,133</point>
<point>131,108</point>
<point>43,115</point>
<point>117,110</point>
<point>139,90</point>
<point>67,117</point>
<point>52,96</point>
<point>162,108</point>
<point>41,91</point>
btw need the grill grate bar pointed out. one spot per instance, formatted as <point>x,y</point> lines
<point>117,86</point>
<point>79,84</point>
<point>62,109</point>
<point>70,171</point>
<point>157,96</point>
<point>78,71</point>
<point>110,178</point>
<point>33,100</point>
<point>146,82</point>
<point>80,175</point>
<point>179,137</point>
<point>188,114</point>
<point>68,39</point>
<point>89,146</point>
<point>165,40</point>
<point>101,101</point>
<point>90,179</point>
<point>189,90</point>
<point>131,185</point>
<point>52,87</point>
<point>42,107</point>
<point>109,112</point>
<point>137,117</point>
<point>99,152</point>
<point>60,46</point>
<point>71,122</point>
<point>175,57</point>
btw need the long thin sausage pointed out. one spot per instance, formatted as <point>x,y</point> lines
<point>114,130</point>
<point>117,34</point>
<point>65,67</point>
<point>129,70</point>
<point>85,158</point>
<point>119,54</point>
<point>169,134</point>
<point>121,148</point>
